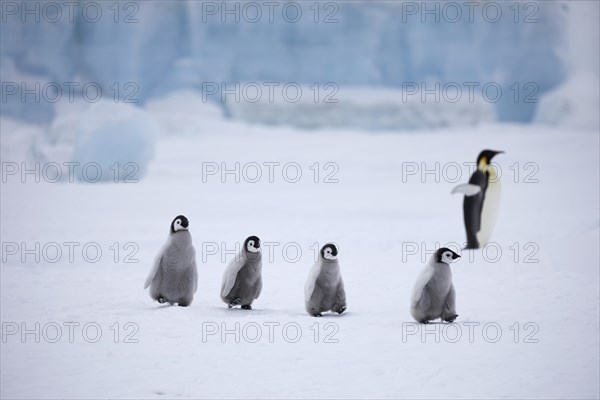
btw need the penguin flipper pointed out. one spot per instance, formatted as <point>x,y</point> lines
<point>156,263</point>
<point>309,287</point>
<point>420,285</point>
<point>468,189</point>
<point>230,275</point>
<point>154,269</point>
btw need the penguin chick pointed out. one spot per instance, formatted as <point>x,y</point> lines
<point>242,280</point>
<point>174,276</point>
<point>433,295</point>
<point>324,289</point>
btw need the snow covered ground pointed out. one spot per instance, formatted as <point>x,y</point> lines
<point>528,324</point>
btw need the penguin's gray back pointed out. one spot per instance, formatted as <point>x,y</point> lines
<point>431,291</point>
<point>176,278</point>
<point>247,282</point>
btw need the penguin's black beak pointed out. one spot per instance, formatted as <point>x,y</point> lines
<point>455,256</point>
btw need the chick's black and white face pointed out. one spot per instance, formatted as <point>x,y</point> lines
<point>180,223</point>
<point>253,244</point>
<point>329,252</point>
<point>447,256</point>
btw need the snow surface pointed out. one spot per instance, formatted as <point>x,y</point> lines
<point>372,213</point>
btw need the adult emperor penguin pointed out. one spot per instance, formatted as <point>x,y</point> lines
<point>174,276</point>
<point>482,199</point>
<point>324,289</point>
<point>242,280</point>
<point>433,295</point>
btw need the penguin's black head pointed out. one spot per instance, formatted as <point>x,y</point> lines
<point>445,255</point>
<point>180,223</point>
<point>252,244</point>
<point>485,157</point>
<point>329,252</point>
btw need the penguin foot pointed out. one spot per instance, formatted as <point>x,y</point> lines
<point>247,307</point>
<point>451,318</point>
<point>317,315</point>
<point>425,322</point>
<point>234,302</point>
<point>341,310</point>
<point>162,300</point>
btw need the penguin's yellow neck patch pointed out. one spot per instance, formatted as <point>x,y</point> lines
<point>483,163</point>
<point>485,166</point>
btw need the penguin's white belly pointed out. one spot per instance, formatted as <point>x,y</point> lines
<point>489,213</point>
